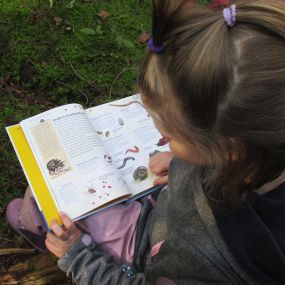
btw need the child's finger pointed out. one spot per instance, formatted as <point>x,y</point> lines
<point>59,231</point>
<point>154,159</point>
<point>161,180</point>
<point>159,169</point>
<point>52,238</point>
<point>163,173</point>
<point>52,248</point>
<point>68,223</point>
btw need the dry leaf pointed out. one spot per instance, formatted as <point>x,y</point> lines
<point>104,14</point>
<point>57,20</point>
<point>143,38</point>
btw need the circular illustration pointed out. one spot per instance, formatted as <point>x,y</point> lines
<point>140,173</point>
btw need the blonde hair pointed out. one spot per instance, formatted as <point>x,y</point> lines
<point>221,87</point>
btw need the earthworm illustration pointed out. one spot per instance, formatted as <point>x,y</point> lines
<point>120,121</point>
<point>125,161</point>
<point>127,104</point>
<point>108,158</point>
<point>162,141</point>
<point>135,149</point>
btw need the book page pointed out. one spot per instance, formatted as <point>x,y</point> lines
<point>73,160</point>
<point>130,136</point>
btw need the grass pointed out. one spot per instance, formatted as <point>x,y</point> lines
<point>53,56</point>
<point>50,57</point>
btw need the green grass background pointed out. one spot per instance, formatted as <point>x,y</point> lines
<point>84,59</point>
<point>64,54</point>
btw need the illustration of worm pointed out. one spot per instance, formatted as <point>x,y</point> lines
<point>108,158</point>
<point>127,104</point>
<point>135,149</point>
<point>120,121</point>
<point>162,141</point>
<point>125,161</point>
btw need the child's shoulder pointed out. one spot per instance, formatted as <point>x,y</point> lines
<point>183,171</point>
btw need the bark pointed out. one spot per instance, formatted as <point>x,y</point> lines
<point>41,269</point>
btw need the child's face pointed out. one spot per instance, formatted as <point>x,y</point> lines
<point>188,152</point>
<point>181,149</point>
<point>185,150</point>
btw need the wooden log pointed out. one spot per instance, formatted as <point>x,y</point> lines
<point>8,251</point>
<point>41,269</point>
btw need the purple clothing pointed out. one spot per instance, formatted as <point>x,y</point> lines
<point>113,229</point>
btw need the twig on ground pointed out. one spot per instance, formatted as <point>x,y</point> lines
<point>3,238</point>
<point>7,251</point>
<point>81,77</point>
<point>115,79</point>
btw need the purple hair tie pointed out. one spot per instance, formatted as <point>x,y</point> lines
<point>153,47</point>
<point>230,15</point>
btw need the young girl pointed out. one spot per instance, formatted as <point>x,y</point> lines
<point>214,83</point>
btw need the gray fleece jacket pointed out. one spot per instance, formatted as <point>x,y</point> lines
<point>178,242</point>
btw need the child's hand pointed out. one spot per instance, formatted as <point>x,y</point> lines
<point>63,237</point>
<point>159,165</point>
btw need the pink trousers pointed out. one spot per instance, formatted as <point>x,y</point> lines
<point>113,230</point>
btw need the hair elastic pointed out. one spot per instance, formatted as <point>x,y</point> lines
<point>230,15</point>
<point>153,47</point>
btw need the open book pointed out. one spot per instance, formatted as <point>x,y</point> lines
<point>79,161</point>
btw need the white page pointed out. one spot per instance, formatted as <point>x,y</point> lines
<point>129,134</point>
<point>71,157</point>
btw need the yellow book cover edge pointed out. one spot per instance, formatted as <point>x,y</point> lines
<point>33,174</point>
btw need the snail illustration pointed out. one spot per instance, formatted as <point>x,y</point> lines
<point>140,173</point>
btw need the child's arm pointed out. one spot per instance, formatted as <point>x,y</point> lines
<point>82,262</point>
<point>159,165</point>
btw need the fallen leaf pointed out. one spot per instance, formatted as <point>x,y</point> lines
<point>57,20</point>
<point>88,31</point>
<point>104,14</point>
<point>33,18</point>
<point>70,5</point>
<point>143,38</point>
